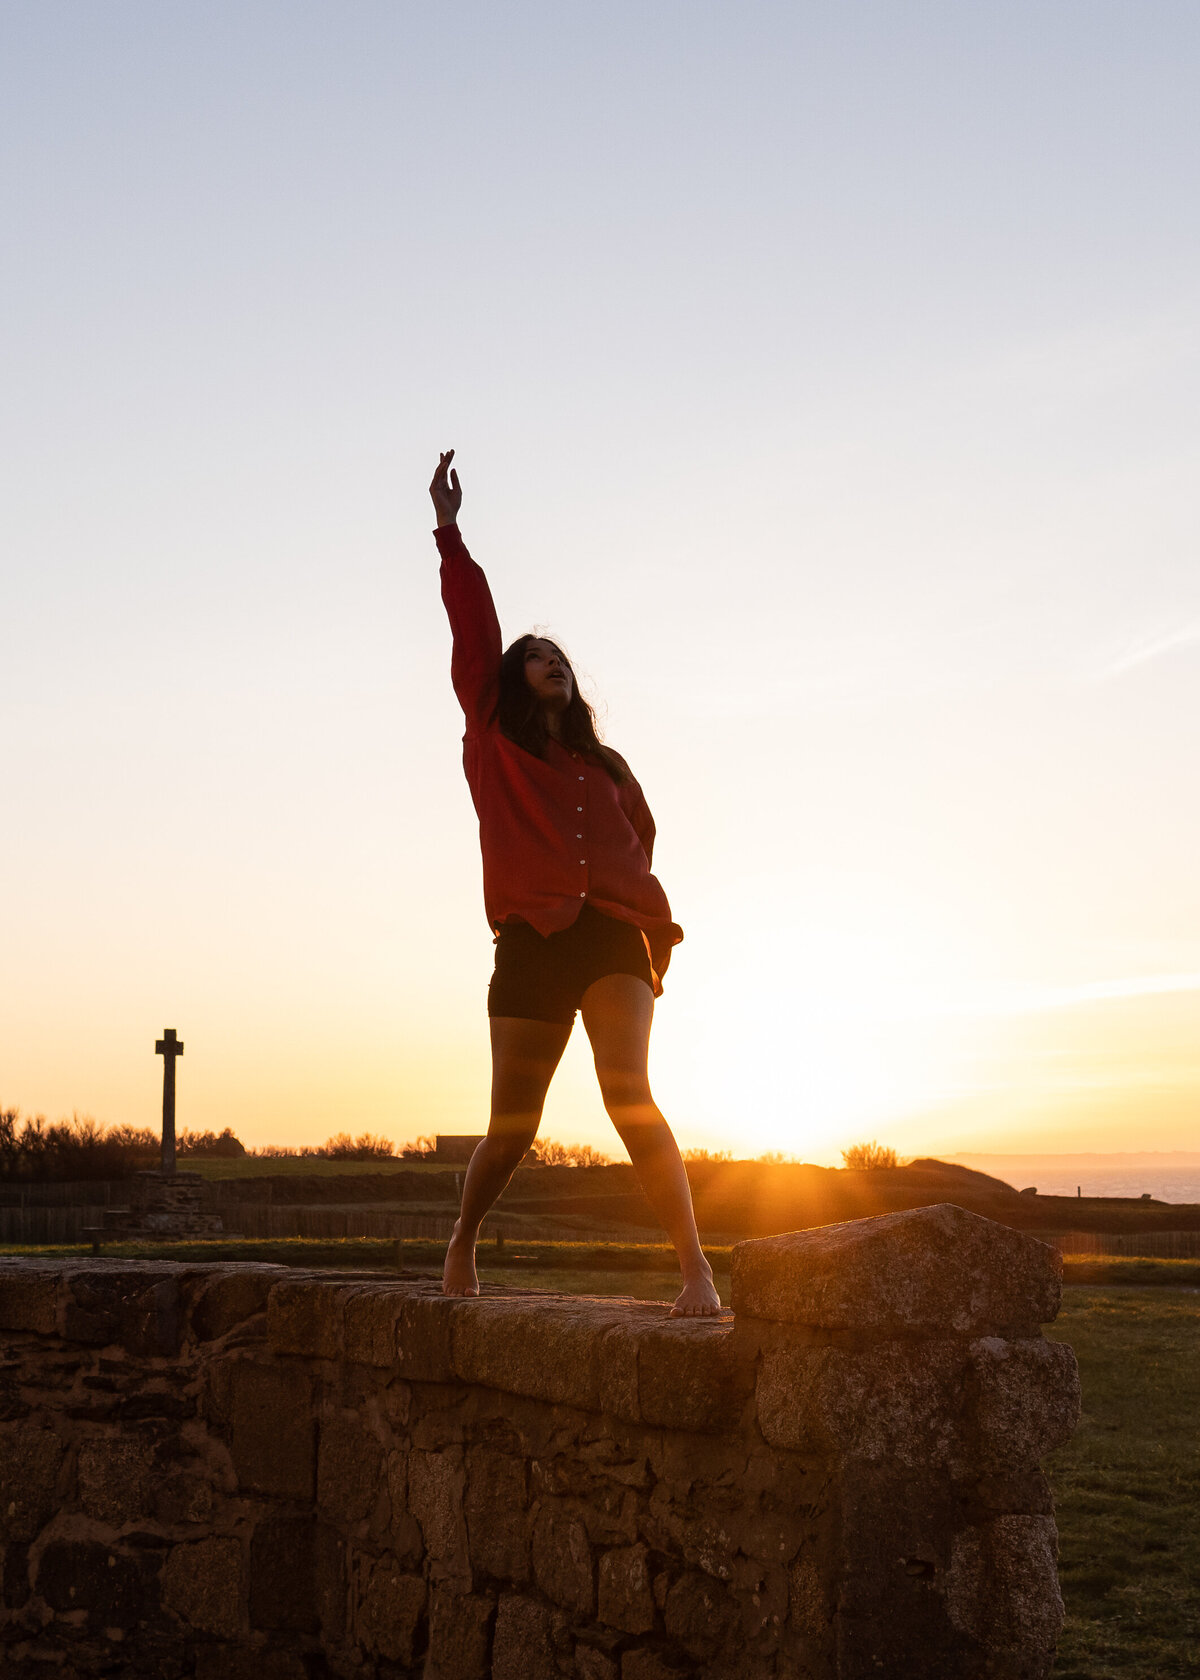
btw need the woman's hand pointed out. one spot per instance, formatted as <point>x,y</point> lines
<point>447,496</point>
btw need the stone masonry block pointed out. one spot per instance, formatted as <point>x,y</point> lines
<point>424,1331</point>
<point>1002,1590</point>
<point>28,1298</point>
<point>626,1601</point>
<point>1028,1400</point>
<point>527,1640</point>
<point>901,1400</point>
<point>304,1316</point>
<point>389,1612</point>
<point>497,1512</point>
<point>222,1301</point>
<point>931,1270</point>
<point>350,1471</point>
<point>29,1464</point>
<point>98,1583</point>
<point>202,1585</point>
<point>702,1617</point>
<point>689,1377</point>
<point>436,1484</point>
<point>562,1560</point>
<point>116,1477</point>
<point>273,1434</point>
<point>460,1632</point>
<point>282,1575</point>
<point>129,1302</point>
<point>371,1326</point>
<point>546,1349</point>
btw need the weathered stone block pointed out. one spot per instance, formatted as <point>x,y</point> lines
<point>527,1639</point>
<point>497,1512</point>
<point>701,1616</point>
<point>273,1435</point>
<point>902,1400</point>
<point>1028,1400</point>
<point>593,1663</point>
<point>626,1601</point>
<point>932,1270</point>
<point>282,1577</point>
<point>1002,1590</point>
<point>30,1460</point>
<point>127,1302</point>
<point>183,1496</point>
<point>689,1376</point>
<point>116,1477</point>
<point>28,1299</point>
<point>15,1588</point>
<point>389,1612</point>
<point>101,1581</point>
<point>562,1560</point>
<point>350,1470</point>
<point>643,1664</point>
<point>460,1631</point>
<point>546,1349</point>
<point>202,1585</point>
<point>371,1326</point>
<point>221,1302</point>
<point>424,1332</point>
<point>436,1485</point>
<point>304,1316</point>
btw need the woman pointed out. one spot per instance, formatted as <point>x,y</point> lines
<point>580,921</point>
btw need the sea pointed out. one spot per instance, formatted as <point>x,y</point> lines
<point>1171,1177</point>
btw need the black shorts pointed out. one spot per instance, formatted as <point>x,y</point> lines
<point>544,978</point>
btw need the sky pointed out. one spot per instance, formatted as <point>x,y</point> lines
<point>824,376</point>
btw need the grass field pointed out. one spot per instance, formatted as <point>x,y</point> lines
<point>1127,1486</point>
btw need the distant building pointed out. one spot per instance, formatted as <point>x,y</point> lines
<point>454,1149</point>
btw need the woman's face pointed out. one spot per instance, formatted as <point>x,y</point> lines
<point>548,674</point>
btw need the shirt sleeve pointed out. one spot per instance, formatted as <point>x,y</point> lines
<point>638,812</point>
<point>475,659</point>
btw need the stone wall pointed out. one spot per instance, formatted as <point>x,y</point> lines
<point>238,1470</point>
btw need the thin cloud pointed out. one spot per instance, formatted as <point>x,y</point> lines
<point>1153,647</point>
<point>1096,991</point>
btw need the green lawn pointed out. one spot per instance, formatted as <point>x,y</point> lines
<point>1127,1487</point>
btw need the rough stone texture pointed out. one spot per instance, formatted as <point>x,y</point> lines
<point>460,1627</point>
<point>245,1473</point>
<point>389,1612</point>
<point>201,1584</point>
<point>930,1271</point>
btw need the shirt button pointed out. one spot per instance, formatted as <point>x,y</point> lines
<point>582,861</point>
<point>579,837</point>
<point>583,895</point>
<point>581,778</point>
<point>578,808</point>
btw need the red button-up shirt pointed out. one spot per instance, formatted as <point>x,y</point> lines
<point>556,833</point>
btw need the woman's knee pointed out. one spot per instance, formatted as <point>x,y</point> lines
<point>508,1139</point>
<point>628,1100</point>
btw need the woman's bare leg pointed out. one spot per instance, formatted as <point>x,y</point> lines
<point>524,1057</point>
<point>617,1013</point>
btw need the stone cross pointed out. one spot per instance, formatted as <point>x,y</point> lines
<point>168,1047</point>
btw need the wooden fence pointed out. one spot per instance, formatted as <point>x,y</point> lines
<point>1144,1245</point>
<point>263,1219</point>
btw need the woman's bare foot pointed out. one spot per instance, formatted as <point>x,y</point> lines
<point>458,1274</point>
<point>698,1298</point>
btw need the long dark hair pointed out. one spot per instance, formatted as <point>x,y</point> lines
<point>523,720</point>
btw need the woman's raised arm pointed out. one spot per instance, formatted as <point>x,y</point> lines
<point>475,660</point>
